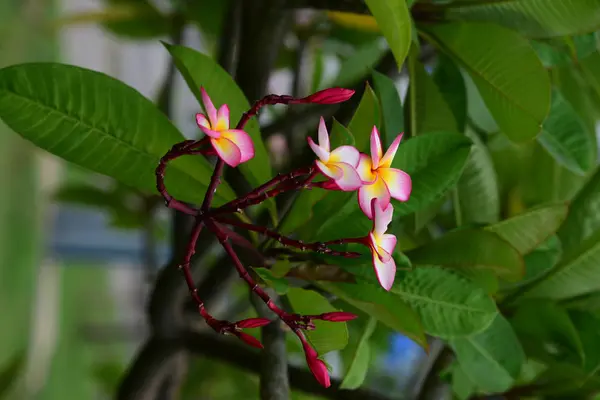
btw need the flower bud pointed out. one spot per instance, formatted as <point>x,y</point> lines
<point>337,316</point>
<point>251,340</point>
<point>252,323</point>
<point>319,370</point>
<point>326,96</point>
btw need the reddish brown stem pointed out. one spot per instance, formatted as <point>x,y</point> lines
<point>271,99</point>
<point>318,247</point>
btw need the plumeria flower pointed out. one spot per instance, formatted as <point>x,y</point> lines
<point>234,146</point>
<point>339,164</point>
<point>379,180</point>
<point>382,244</point>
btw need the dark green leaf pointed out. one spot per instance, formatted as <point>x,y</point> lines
<point>367,115</point>
<point>357,372</point>
<point>451,84</point>
<point>509,76</point>
<point>391,107</point>
<point>539,261</point>
<point>141,20</point>
<point>99,123</point>
<point>10,372</point>
<point>395,23</point>
<point>360,63</point>
<point>588,327</point>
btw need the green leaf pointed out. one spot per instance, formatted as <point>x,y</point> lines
<point>451,84</point>
<point>142,20</point>
<point>483,278</point>
<point>578,273</point>
<point>328,336</point>
<point>280,284</point>
<point>528,230</point>
<point>101,124</point>
<point>391,107</point>
<point>395,23</point>
<point>588,327</point>
<point>462,386</point>
<point>449,305</point>
<point>10,372</point>
<point>477,195</point>
<point>386,307</point>
<point>539,261</point>
<point>564,136</point>
<point>533,18</point>
<point>200,70</point>
<point>357,372</point>
<point>492,358</point>
<point>432,113</point>
<point>434,162</point>
<point>367,115</point>
<point>360,63</point>
<point>508,74</point>
<point>583,219</point>
<point>471,249</point>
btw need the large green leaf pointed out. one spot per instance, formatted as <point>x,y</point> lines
<point>542,259</point>
<point>384,306</point>
<point>578,273</point>
<point>564,136</point>
<point>492,358</point>
<point>391,107</point>
<point>588,327</point>
<point>435,162</point>
<point>360,63</point>
<point>534,18</point>
<point>200,70</point>
<point>583,219</point>
<point>395,23</point>
<point>510,78</point>
<point>367,115</point>
<point>99,123</point>
<point>328,336</point>
<point>449,305</point>
<point>471,249</point>
<point>428,109</point>
<point>451,84</point>
<point>357,372</point>
<point>477,196</point>
<point>526,231</point>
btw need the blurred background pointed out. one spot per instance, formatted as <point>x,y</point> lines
<point>74,281</point>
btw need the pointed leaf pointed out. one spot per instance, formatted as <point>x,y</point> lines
<point>101,124</point>
<point>391,107</point>
<point>492,358</point>
<point>395,23</point>
<point>367,115</point>
<point>510,78</point>
<point>280,284</point>
<point>357,372</point>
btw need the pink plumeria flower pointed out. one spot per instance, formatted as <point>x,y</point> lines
<point>339,164</point>
<point>382,244</point>
<point>379,180</point>
<point>234,146</point>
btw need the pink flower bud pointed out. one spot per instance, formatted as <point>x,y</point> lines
<point>327,96</point>
<point>319,370</point>
<point>252,323</point>
<point>337,316</point>
<point>251,340</point>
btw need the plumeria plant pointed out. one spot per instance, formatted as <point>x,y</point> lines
<point>344,168</point>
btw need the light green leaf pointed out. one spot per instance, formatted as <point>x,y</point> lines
<point>280,284</point>
<point>357,372</point>
<point>533,18</point>
<point>360,63</point>
<point>199,70</point>
<point>367,115</point>
<point>395,23</point>
<point>434,162</point>
<point>477,195</point>
<point>526,231</point>
<point>462,386</point>
<point>101,124</point>
<point>391,107</point>
<point>564,136</point>
<point>449,305</point>
<point>471,249</point>
<point>384,306</point>
<point>508,74</point>
<point>492,358</point>
<point>328,336</point>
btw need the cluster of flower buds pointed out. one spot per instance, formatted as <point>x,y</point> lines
<point>345,168</point>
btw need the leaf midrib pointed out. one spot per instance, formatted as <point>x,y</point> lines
<point>441,303</point>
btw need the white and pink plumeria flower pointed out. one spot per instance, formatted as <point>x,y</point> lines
<point>339,164</point>
<point>234,146</point>
<point>380,181</point>
<point>382,244</point>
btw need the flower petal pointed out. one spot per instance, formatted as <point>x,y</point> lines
<point>323,136</point>
<point>243,141</point>
<point>376,190</point>
<point>227,151</point>
<point>330,170</point>
<point>398,182</point>
<point>209,132</point>
<point>349,180</point>
<point>382,217</point>
<point>376,150</point>
<point>347,154</point>
<point>364,169</point>
<point>209,107</point>
<point>319,370</point>
<point>321,153</point>
<point>202,121</point>
<point>387,159</point>
<point>251,340</point>
<point>385,271</point>
<point>222,118</point>
<point>388,242</point>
